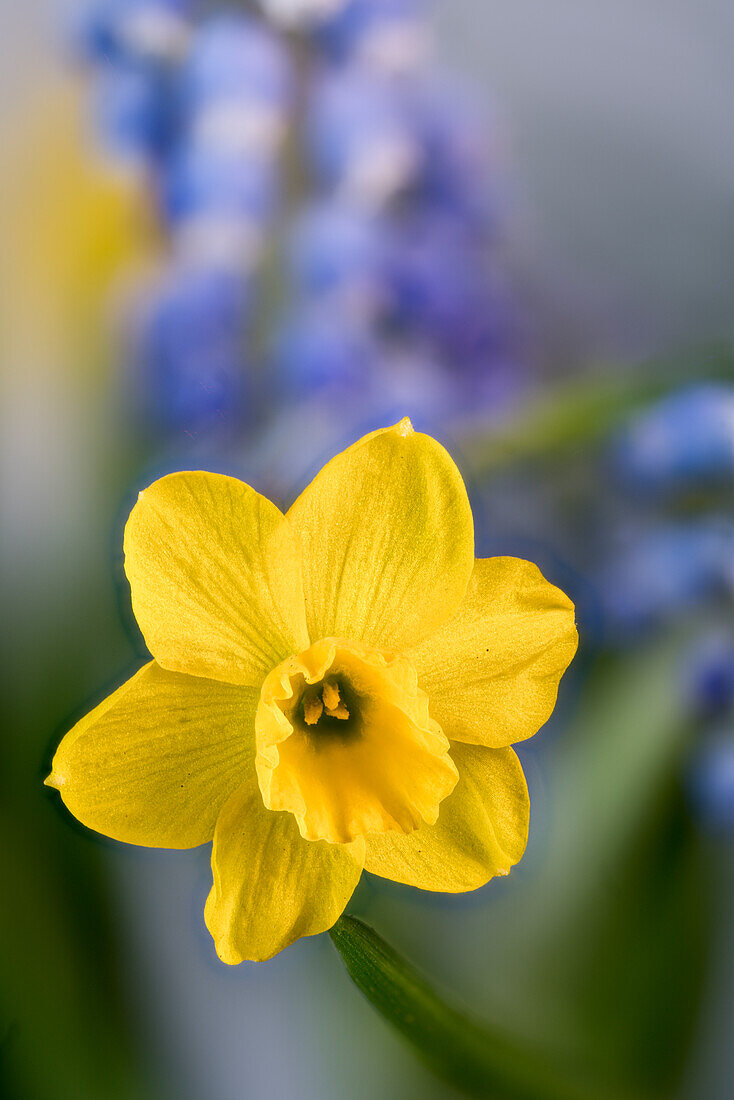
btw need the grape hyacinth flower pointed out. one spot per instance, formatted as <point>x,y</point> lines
<point>711,673</point>
<point>402,227</point>
<point>316,350</point>
<point>711,781</point>
<point>667,570</point>
<point>207,188</point>
<point>236,88</point>
<point>310,149</point>
<point>684,441</point>
<point>204,122</point>
<point>137,31</point>
<point>459,144</point>
<point>391,35</point>
<point>361,140</point>
<point>134,114</point>
<point>187,347</point>
<point>339,251</point>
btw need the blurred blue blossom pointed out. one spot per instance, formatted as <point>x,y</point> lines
<point>684,441</point>
<point>711,780</point>
<point>317,350</point>
<point>132,30</point>
<point>338,250</point>
<point>669,567</point>
<point>136,115</point>
<point>344,188</point>
<point>403,230</point>
<point>387,34</point>
<point>236,59</point>
<point>711,674</point>
<point>189,346</point>
<point>204,183</point>
<point>440,285</point>
<point>236,85</point>
<point>666,570</point>
<point>459,153</point>
<point>361,142</point>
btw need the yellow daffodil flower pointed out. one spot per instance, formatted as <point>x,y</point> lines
<point>331,690</point>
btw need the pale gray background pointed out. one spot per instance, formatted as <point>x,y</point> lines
<point>618,117</point>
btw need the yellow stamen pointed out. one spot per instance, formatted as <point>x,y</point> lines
<point>340,711</point>
<point>331,695</point>
<point>313,708</point>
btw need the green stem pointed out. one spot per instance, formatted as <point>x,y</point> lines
<point>478,1061</point>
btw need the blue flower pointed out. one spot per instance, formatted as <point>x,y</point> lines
<point>684,441</point>
<point>387,34</point>
<point>667,570</point>
<point>237,83</point>
<point>319,350</point>
<point>132,30</point>
<point>455,137</point>
<point>206,183</point>
<point>711,672</point>
<point>338,249</point>
<point>136,111</point>
<point>391,297</point>
<point>711,780</point>
<point>189,349</point>
<point>441,285</point>
<point>360,137</point>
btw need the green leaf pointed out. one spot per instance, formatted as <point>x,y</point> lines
<point>479,1061</point>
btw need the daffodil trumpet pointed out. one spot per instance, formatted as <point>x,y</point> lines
<point>332,690</point>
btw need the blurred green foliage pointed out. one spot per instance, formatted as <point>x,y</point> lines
<point>610,936</point>
<point>65,1024</point>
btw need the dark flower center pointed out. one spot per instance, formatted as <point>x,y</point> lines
<point>330,709</point>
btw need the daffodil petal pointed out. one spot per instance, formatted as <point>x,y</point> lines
<point>215,576</point>
<point>270,885</point>
<point>155,762</point>
<point>492,672</point>
<point>481,831</point>
<point>388,540</point>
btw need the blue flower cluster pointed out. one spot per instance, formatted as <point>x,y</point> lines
<point>310,169</point>
<point>395,244</point>
<point>664,570</point>
<point>686,441</point>
<point>677,459</point>
<point>711,778</point>
<point>200,107</point>
<point>712,675</point>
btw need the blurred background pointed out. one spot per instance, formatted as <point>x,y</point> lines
<point>236,236</point>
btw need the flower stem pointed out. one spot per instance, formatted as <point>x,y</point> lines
<point>477,1060</point>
